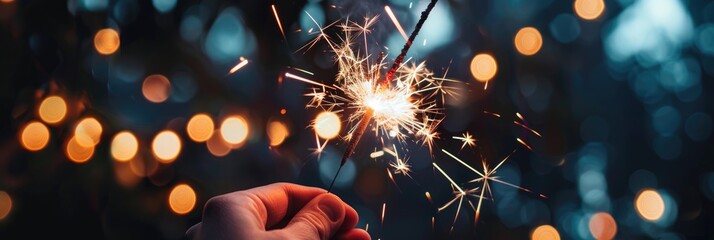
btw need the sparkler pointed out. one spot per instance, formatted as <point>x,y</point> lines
<point>404,102</point>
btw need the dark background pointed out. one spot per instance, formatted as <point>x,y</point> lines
<point>623,103</point>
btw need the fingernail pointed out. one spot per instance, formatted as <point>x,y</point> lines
<point>330,206</point>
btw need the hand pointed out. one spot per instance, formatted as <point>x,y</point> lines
<point>277,211</point>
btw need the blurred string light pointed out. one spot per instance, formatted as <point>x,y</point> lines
<point>228,38</point>
<point>528,41</point>
<point>277,132</point>
<point>327,125</point>
<point>124,146</point>
<point>88,132</point>
<point>602,226</point>
<point>589,9</point>
<point>651,31</point>
<point>649,205</point>
<point>156,88</point>
<point>217,146</point>
<point>78,153</point>
<point>200,127</point>
<point>5,205</point>
<point>166,146</point>
<point>106,41</point>
<point>234,130</point>
<point>164,6</point>
<point>34,136</point>
<point>545,232</point>
<point>52,110</point>
<point>182,199</point>
<point>483,67</point>
<point>565,28</point>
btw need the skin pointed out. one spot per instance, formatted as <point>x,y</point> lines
<point>278,211</point>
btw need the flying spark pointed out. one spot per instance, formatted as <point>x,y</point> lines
<point>238,66</point>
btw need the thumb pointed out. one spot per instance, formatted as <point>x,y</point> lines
<point>319,219</point>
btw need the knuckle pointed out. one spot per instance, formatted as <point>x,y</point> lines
<point>316,223</point>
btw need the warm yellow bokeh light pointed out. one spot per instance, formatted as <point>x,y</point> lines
<point>124,146</point>
<point>528,41</point>
<point>217,146</point>
<point>589,9</point>
<point>327,125</point>
<point>77,152</point>
<point>88,132</point>
<point>182,199</point>
<point>277,132</point>
<point>603,226</point>
<point>166,146</point>
<point>200,127</point>
<point>156,88</point>
<point>234,130</point>
<point>5,204</point>
<point>545,232</point>
<point>106,41</point>
<point>53,109</point>
<point>34,136</point>
<point>483,67</point>
<point>650,205</point>
<point>7,1</point>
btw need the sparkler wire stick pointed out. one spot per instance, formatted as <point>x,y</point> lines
<point>364,122</point>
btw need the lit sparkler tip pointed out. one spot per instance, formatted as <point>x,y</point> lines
<point>238,66</point>
<point>524,144</point>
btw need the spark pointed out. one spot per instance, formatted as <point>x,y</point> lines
<point>376,154</point>
<point>467,140</point>
<point>277,19</point>
<point>384,210</point>
<point>527,128</point>
<point>524,144</point>
<point>238,66</point>
<point>396,22</point>
<point>493,114</point>
<point>461,195</point>
<point>428,196</point>
<point>302,79</point>
<point>485,177</point>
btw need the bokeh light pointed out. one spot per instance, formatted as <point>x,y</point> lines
<point>5,204</point>
<point>182,199</point>
<point>483,67</point>
<point>602,226</point>
<point>124,146</point>
<point>166,146</point>
<point>156,88</point>
<point>650,205</point>
<point>88,132</point>
<point>34,136</point>
<point>234,130</point>
<point>277,132</point>
<point>327,125</point>
<point>528,41</point>
<point>217,146</point>
<point>77,152</point>
<point>106,41</point>
<point>589,9</point>
<point>200,127</point>
<point>52,109</point>
<point>545,232</point>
